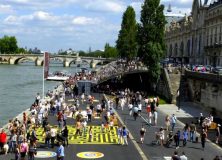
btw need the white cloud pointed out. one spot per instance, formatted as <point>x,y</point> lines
<point>6,9</point>
<point>84,20</point>
<point>105,5</point>
<point>40,15</point>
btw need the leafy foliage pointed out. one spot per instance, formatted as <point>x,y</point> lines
<point>8,45</point>
<point>110,52</point>
<point>150,38</point>
<point>126,43</point>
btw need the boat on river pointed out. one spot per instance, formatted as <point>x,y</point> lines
<point>58,76</point>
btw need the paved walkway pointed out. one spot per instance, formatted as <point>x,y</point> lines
<point>155,152</point>
<point>135,150</point>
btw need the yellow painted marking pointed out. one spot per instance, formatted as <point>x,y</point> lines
<point>108,137</point>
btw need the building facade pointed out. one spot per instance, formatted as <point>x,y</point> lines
<point>196,39</point>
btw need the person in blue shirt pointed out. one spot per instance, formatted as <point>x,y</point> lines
<point>60,152</point>
<point>125,135</point>
<point>185,137</point>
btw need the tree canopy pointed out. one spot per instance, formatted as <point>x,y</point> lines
<point>8,45</point>
<point>109,51</point>
<point>150,36</point>
<point>126,44</point>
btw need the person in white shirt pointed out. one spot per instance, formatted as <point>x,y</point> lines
<point>139,108</point>
<point>183,156</point>
<point>53,133</point>
<point>130,106</point>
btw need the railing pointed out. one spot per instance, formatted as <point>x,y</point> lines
<point>210,77</point>
<point>115,69</point>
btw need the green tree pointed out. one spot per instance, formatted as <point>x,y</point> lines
<point>21,51</point>
<point>126,44</point>
<point>150,37</point>
<point>110,52</point>
<point>8,45</point>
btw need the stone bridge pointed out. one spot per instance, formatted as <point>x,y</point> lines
<point>65,59</point>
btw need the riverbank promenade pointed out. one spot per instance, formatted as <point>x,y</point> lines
<point>104,143</point>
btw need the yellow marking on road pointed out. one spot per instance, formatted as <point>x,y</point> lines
<point>107,137</point>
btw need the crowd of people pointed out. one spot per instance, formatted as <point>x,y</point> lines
<point>22,139</point>
<point>137,103</point>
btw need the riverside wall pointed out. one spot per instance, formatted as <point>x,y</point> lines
<point>205,89</point>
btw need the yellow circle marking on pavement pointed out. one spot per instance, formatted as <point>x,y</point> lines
<point>90,155</point>
<point>45,154</point>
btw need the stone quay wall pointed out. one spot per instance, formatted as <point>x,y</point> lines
<point>205,89</point>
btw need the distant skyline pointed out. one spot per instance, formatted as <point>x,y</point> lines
<point>62,24</point>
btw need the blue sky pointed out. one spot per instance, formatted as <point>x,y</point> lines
<point>51,25</point>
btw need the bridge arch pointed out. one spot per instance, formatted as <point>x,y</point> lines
<point>82,61</point>
<point>20,59</point>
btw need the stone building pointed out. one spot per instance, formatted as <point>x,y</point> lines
<point>196,38</point>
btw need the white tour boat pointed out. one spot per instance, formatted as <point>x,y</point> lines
<point>58,76</point>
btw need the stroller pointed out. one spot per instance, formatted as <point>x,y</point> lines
<point>169,139</point>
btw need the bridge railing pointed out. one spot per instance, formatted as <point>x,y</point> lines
<point>115,68</point>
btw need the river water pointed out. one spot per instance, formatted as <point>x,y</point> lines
<point>19,85</point>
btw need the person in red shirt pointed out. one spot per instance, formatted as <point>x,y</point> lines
<point>3,138</point>
<point>60,119</point>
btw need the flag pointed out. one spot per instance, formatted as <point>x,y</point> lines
<point>46,64</point>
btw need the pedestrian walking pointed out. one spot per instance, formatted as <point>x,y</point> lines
<point>201,119</point>
<point>149,113</point>
<point>142,134</point>
<point>17,152</point>
<point>130,106</point>
<point>78,128</point>
<point>119,134</point>
<point>60,152</point>
<point>65,135</point>
<point>135,112</point>
<point>32,151</point>
<point>155,116</point>
<point>192,131</point>
<point>185,137</point>
<point>23,149</point>
<point>173,121</point>
<point>125,135</point>
<point>90,134</point>
<point>177,139</point>
<point>167,122</point>
<point>183,156</point>
<point>53,132</point>
<point>203,138</point>
<point>161,134</point>
<point>218,133</point>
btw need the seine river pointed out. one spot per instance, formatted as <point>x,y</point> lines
<point>19,85</point>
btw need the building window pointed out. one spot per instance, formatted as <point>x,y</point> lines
<point>215,35</point>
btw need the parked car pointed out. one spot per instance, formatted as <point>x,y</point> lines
<point>217,70</point>
<point>208,68</point>
<point>199,68</point>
